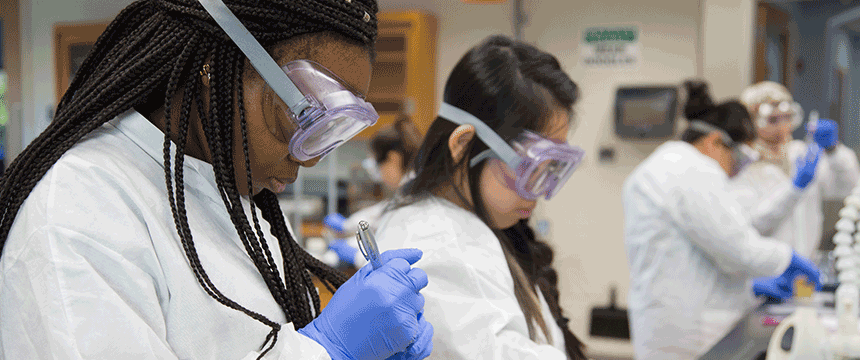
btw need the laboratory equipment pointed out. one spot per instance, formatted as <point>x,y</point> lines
<point>610,322</point>
<point>798,337</point>
<point>802,335</point>
<point>811,125</point>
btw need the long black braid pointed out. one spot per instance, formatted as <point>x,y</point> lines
<point>151,51</point>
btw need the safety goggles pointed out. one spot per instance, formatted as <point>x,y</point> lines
<point>775,114</point>
<point>742,154</point>
<point>533,165</point>
<point>326,112</point>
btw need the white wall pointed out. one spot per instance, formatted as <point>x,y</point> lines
<point>728,40</point>
<point>586,216</point>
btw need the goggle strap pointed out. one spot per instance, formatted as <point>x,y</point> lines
<point>706,128</point>
<point>481,157</point>
<point>260,59</point>
<point>488,136</point>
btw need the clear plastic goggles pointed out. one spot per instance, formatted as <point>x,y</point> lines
<point>778,113</point>
<point>325,111</point>
<point>742,154</point>
<point>336,112</point>
<point>531,165</point>
<point>545,167</point>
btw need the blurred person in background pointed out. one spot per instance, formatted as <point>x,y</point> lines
<point>695,259</point>
<point>392,151</point>
<point>783,191</point>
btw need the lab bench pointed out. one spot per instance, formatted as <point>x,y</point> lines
<point>750,337</point>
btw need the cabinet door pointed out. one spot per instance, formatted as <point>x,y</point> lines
<point>72,43</point>
<point>404,72</point>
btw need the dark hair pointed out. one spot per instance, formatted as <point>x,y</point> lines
<point>731,116</point>
<point>535,257</point>
<point>402,136</point>
<point>156,48</point>
<point>510,86</point>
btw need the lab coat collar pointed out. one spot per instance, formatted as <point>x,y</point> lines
<point>151,139</point>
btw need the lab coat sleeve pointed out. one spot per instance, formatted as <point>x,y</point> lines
<point>472,311</point>
<point>68,296</point>
<point>843,174</point>
<point>772,209</point>
<point>714,221</point>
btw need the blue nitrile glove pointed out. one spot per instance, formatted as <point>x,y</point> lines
<point>345,252</point>
<point>374,315</point>
<point>335,222</point>
<point>775,287</point>
<point>826,133</point>
<point>806,165</point>
<point>802,266</point>
<point>421,348</point>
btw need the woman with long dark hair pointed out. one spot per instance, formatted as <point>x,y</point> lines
<point>499,144</point>
<point>130,227</point>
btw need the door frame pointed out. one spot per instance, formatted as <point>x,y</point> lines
<point>767,17</point>
<point>833,94</point>
<point>11,16</point>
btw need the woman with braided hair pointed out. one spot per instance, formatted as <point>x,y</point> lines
<point>130,227</point>
<point>498,145</point>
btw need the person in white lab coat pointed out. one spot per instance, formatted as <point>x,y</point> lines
<point>499,143</point>
<point>695,259</point>
<point>130,227</point>
<point>393,149</point>
<point>780,206</point>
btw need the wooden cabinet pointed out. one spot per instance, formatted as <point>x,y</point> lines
<point>72,43</point>
<point>404,73</point>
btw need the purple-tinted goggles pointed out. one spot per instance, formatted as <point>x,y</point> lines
<point>325,111</point>
<point>535,166</point>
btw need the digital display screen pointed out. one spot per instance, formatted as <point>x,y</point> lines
<point>645,112</point>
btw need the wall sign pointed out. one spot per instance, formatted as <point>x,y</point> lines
<point>611,46</point>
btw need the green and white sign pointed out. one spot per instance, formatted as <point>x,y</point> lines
<point>611,46</point>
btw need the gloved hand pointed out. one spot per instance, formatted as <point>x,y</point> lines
<point>421,348</point>
<point>335,222</point>
<point>802,266</point>
<point>345,252</point>
<point>775,287</point>
<point>825,134</point>
<point>375,314</point>
<point>806,165</point>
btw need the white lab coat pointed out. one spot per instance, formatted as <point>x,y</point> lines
<point>93,267</point>
<point>692,254</point>
<point>780,210</point>
<point>372,213</point>
<point>470,298</point>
